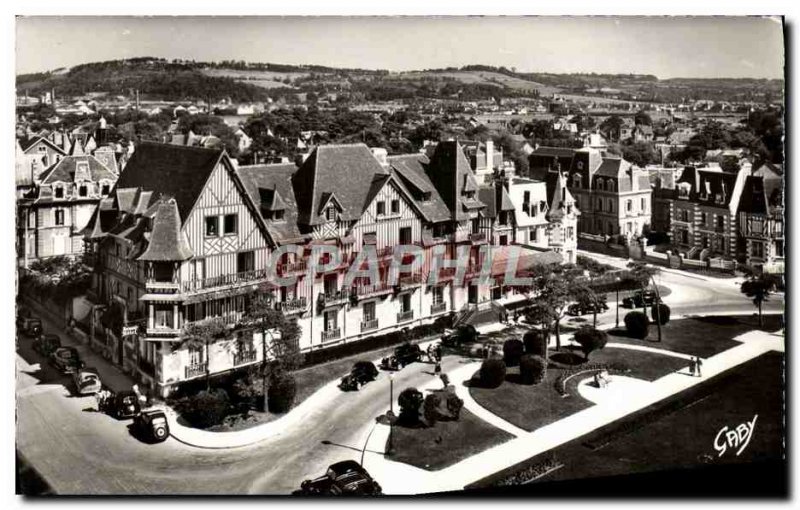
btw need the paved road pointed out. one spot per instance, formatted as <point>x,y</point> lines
<point>80,451</point>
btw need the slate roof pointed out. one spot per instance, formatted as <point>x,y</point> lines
<point>710,182</point>
<point>170,170</point>
<point>263,184</point>
<point>346,171</point>
<point>28,144</point>
<point>496,199</point>
<point>410,170</point>
<point>64,170</point>
<point>451,174</point>
<point>167,241</point>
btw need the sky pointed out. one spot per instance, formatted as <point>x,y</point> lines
<point>668,47</point>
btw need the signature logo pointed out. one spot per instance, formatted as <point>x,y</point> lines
<point>738,437</point>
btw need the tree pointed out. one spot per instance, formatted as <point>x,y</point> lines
<point>644,274</point>
<point>202,334</point>
<point>611,126</point>
<point>640,153</point>
<point>642,118</point>
<point>590,339</point>
<point>409,401</point>
<point>556,288</point>
<point>637,324</point>
<point>281,354</point>
<point>758,288</point>
<point>532,369</point>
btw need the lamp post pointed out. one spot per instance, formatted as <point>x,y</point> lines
<point>617,288</point>
<point>657,307</point>
<point>391,413</point>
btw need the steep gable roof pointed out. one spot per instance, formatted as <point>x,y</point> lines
<point>167,241</point>
<point>65,170</point>
<point>171,170</point>
<point>346,171</point>
<point>265,182</point>
<point>29,144</point>
<point>410,170</point>
<point>452,175</point>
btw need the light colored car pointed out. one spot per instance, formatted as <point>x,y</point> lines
<point>87,381</point>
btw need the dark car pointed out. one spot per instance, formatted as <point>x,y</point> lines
<point>361,373</point>
<point>152,425</point>
<point>640,298</point>
<point>66,360</point>
<point>342,478</point>
<point>47,344</point>
<point>30,326</point>
<point>586,308</point>
<point>403,355</point>
<point>124,404</point>
<point>464,333</point>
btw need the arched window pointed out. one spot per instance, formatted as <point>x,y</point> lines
<point>610,185</point>
<point>576,180</point>
<point>599,183</point>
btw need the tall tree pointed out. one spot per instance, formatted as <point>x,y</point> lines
<point>280,352</point>
<point>555,290</point>
<point>644,274</point>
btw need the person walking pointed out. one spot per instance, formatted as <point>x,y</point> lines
<point>438,352</point>
<point>699,363</point>
<point>692,366</point>
<point>437,371</point>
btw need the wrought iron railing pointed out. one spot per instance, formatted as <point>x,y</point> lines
<point>331,334</point>
<point>369,325</point>
<point>196,370</point>
<point>405,316</point>
<point>438,307</point>
<point>240,358</point>
<point>225,280</point>
<point>292,305</point>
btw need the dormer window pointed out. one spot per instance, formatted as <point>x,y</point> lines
<point>610,185</point>
<point>469,195</point>
<point>58,192</point>
<point>576,180</point>
<point>106,189</point>
<point>330,212</point>
<point>83,190</point>
<point>277,215</point>
<point>426,196</point>
<point>599,184</point>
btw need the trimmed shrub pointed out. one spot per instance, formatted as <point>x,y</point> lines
<point>205,409</point>
<point>430,408</point>
<point>409,400</point>
<point>281,393</point>
<point>590,339</point>
<point>532,369</point>
<point>662,314</point>
<point>535,341</point>
<point>492,373</point>
<point>454,405</point>
<point>512,350</point>
<point>637,324</point>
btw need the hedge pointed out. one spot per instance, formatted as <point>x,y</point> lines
<point>590,339</point>
<point>512,351</point>
<point>535,341</point>
<point>281,393</point>
<point>662,315</point>
<point>409,401</point>
<point>532,369</point>
<point>492,373</point>
<point>205,409</point>
<point>637,324</point>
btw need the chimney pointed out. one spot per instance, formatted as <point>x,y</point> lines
<point>489,154</point>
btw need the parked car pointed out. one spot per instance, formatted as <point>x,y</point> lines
<point>66,360</point>
<point>586,308</point>
<point>464,333</point>
<point>124,404</point>
<point>87,381</point>
<point>342,478</point>
<point>47,344</point>
<point>30,326</point>
<point>361,373</point>
<point>404,354</point>
<point>639,299</point>
<point>152,425</point>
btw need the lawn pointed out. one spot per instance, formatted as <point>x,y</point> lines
<point>678,433</point>
<point>703,336</point>
<point>446,443</point>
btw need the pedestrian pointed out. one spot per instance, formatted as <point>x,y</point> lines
<point>699,363</point>
<point>438,352</point>
<point>692,366</point>
<point>438,369</point>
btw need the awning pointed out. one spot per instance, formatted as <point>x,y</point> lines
<point>171,298</point>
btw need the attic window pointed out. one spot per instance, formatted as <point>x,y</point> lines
<point>469,195</point>
<point>380,208</point>
<point>330,213</point>
<point>83,190</point>
<point>426,196</point>
<point>277,215</point>
<point>106,189</point>
<point>59,191</point>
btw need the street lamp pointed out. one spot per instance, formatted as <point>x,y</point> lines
<point>390,416</point>
<point>617,288</point>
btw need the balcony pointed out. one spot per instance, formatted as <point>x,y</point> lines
<point>196,370</point>
<point>163,331</point>
<point>162,287</point>
<point>225,280</point>
<point>230,319</point>
<point>292,268</point>
<point>331,334</point>
<point>477,237</point>
<point>290,306</point>
<point>333,297</point>
<point>406,316</point>
<point>438,308</point>
<point>241,358</point>
<point>363,291</point>
<point>369,325</point>
<point>410,280</point>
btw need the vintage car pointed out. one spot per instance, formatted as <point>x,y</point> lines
<point>342,478</point>
<point>404,354</point>
<point>46,344</point>
<point>576,309</point>
<point>640,298</point>
<point>30,326</point>
<point>66,360</point>
<point>124,404</point>
<point>361,373</point>
<point>87,381</point>
<point>152,425</point>
<point>464,333</point>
